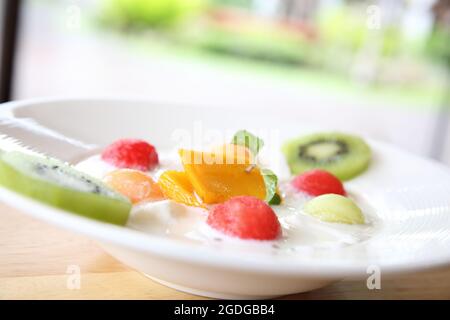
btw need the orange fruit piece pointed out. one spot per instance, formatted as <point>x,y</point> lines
<point>215,180</point>
<point>134,184</point>
<point>176,186</point>
<point>234,153</point>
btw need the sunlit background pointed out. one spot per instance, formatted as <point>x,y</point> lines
<point>379,68</point>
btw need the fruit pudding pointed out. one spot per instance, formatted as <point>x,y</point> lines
<point>223,197</point>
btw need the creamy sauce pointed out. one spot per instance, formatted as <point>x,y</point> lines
<point>300,232</point>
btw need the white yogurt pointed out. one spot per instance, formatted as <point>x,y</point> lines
<point>300,232</point>
<point>95,167</point>
<point>98,168</point>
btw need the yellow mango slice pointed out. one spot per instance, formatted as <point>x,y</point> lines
<point>234,153</point>
<point>214,180</point>
<point>176,186</point>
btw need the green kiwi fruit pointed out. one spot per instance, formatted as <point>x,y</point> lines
<point>58,184</point>
<point>334,208</point>
<point>343,155</point>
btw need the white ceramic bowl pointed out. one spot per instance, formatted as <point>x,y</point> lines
<point>410,197</point>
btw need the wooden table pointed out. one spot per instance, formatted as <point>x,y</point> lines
<point>34,258</point>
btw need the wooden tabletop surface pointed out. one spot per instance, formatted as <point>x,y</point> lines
<point>35,260</point>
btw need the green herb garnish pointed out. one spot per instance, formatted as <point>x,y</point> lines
<point>276,199</point>
<point>248,140</point>
<point>271,182</point>
<point>254,144</point>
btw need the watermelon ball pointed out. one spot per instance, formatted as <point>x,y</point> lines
<point>245,217</point>
<point>131,154</point>
<point>317,182</point>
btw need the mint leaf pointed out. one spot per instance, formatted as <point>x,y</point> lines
<point>271,182</point>
<point>276,199</point>
<point>248,140</point>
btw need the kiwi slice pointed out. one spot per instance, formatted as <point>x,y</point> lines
<point>334,208</point>
<point>60,185</point>
<point>343,155</point>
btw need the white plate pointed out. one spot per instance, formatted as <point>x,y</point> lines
<point>410,197</point>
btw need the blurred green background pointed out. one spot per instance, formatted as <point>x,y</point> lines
<point>378,68</point>
<point>339,44</point>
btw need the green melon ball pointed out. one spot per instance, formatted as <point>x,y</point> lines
<point>334,208</point>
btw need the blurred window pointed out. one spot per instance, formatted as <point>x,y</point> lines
<point>2,80</point>
<point>379,68</point>
<point>9,16</point>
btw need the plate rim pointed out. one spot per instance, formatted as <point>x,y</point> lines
<point>152,244</point>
